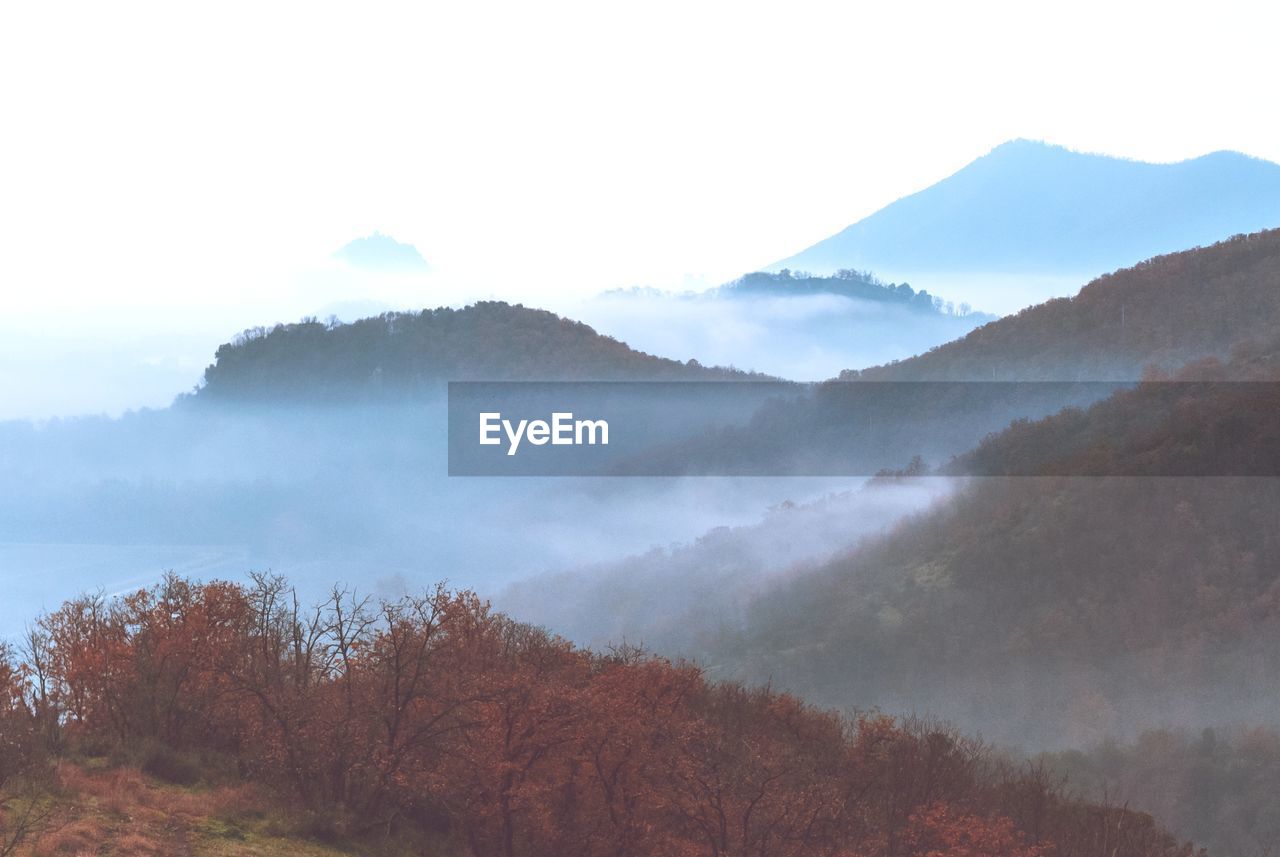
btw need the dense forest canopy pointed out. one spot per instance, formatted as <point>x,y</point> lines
<point>1063,607</point>
<point>433,716</point>
<point>1209,419</point>
<point>1219,783</point>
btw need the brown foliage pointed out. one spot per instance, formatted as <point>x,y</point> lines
<point>434,713</point>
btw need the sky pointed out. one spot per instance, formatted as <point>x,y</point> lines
<point>170,168</point>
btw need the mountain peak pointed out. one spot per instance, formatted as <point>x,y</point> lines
<point>1023,153</point>
<point>378,252</point>
<point>1026,144</point>
<point>1044,216</point>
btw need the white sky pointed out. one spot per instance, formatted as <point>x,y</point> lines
<point>163,163</point>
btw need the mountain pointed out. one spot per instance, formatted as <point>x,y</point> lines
<point>1166,311</point>
<point>378,252</point>
<point>407,352</point>
<point>1037,213</point>
<point>1207,303</point>
<point>1079,607</point>
<point>217,718</point>
<point>1219,783</point>
<point>844,283</point>
<point>805,328</point>
<point>1068,603</point>
<point>676,598</point>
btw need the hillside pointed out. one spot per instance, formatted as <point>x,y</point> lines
<point>678,597</point>
<point>1159,428</point>
<point>1061,608</point>
<point>430,725</point>
<point>788,324</point>
<point>845,283</point>
<point>1029,208</point>
<point>416,352</point>
<point>1220,783</point>
<point>1204,304</point>
<point>100,805</point>
<point>1166,311</point>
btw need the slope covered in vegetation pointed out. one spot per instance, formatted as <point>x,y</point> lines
<point>847,283</point>
<point>1219,783</point>
<point>1166,312</point>
<point>1073,605</point>
<point>430,720</point>
<point>1217,303</point>
<point>399,353</point>
<point>88,804</point>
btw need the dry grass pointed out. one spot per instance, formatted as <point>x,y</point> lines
<point>75,837</point>
<point>137,843</point>
<point>123,812</point>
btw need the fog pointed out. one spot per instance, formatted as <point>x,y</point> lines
<point>680,599</point>
<point>111,352</point>
<point>1037,611</point>
<point>901,595</point>
<point>999,292</point>
<point>703,567</point>
<point>357,495</point>
<point>802,338</point>
<point>95,358</point>
<point>47,373</point>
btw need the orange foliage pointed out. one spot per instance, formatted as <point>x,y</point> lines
<point>434,712</point>
<point>938,831</point>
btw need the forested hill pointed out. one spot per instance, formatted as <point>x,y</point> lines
<point>847,283</point>
<point>1167,311</point>
<point>397,353</point>
<point>1201,304</point>
<point>1189,424</point>
<point>430,725</point>
<point>1077,607</point>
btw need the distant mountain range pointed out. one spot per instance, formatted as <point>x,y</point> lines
<point>1042,214</point>
<point>1051,608</point>
<point>1213,302</point>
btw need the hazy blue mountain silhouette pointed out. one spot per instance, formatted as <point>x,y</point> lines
<point>1032,208</point>
<point>378,252</point>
